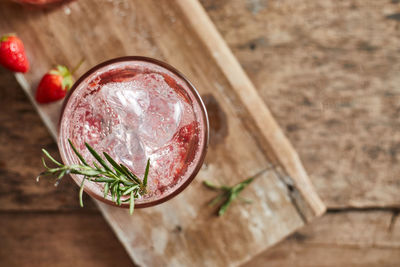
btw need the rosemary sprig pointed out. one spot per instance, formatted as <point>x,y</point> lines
<point>230,193</point>
<point>118,180</point>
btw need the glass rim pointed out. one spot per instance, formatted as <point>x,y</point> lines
<point>197,97</point>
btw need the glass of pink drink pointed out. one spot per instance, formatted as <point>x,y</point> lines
<point>137,108</point>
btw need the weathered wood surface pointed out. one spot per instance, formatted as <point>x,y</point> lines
<point>246,140</point>
<point>348,238</point>
<point>84,239</point>
<point>59,239</point>
<point>329,71</point>
<point>27,217</point>
<point>19,194</point>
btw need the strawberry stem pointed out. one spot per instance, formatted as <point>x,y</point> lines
<point>77,66</point>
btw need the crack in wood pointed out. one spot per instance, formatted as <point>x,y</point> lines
<point>293,194</point>
<point>50,212</point>
<point>348,246</point>
<point>393,220</point>
<point>393,209</point>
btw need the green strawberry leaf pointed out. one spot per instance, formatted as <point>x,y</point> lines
<point>64,72</point>
<point>67,82</point>
<point>6,36</point>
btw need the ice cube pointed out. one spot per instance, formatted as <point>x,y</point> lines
<point>124,145</point>
<point>162,116</point>
<point>160,121</point>
<point>129,99</point>
<point>154,83</point>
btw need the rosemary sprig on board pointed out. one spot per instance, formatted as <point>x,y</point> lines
<point>118,180</point>
<point>230,193</point>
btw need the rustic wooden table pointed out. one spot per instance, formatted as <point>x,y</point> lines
<point>328,71</point>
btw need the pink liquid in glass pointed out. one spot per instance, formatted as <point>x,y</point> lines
<point>137,109</point>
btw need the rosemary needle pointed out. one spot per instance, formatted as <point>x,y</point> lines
<point>118,179</point>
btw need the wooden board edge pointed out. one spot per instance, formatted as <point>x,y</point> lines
<point>223,56</point>
<point>117,230</point>
<point>45,117</point>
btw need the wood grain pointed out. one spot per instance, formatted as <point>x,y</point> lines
<point>184,230</point>
<point>347,238</point>
<point>329,71</point>
<point>85,240</point>
<point>58,239</point>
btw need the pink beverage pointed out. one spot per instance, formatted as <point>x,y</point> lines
<point>137,108</point>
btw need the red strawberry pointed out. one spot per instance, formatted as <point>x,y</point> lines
<point>12,53</point>
<point>54,85</point>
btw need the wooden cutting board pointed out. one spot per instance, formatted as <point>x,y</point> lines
<point>244,138</point>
